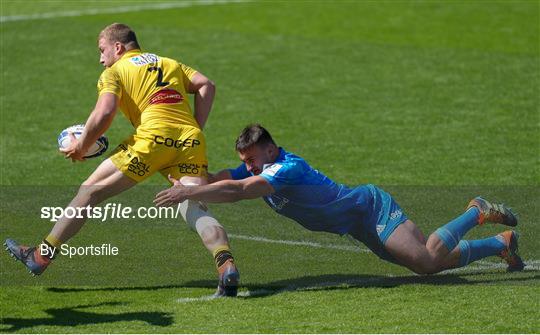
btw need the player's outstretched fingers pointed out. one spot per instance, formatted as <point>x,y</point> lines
<point>161,199</point>
<point>173,195</point>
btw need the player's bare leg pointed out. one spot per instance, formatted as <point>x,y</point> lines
<point>105,182</point>
<point>214,238</point>
<point>446,249</point>
<point>407,245</point>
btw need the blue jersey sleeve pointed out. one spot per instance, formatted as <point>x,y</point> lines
<point>280,175</point>
<point>240,172</point>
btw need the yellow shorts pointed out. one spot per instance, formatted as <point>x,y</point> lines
<point>178,152</point>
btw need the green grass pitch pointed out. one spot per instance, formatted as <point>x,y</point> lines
<point>436,101</point>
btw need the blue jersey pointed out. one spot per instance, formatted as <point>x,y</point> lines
<point>318,203</point>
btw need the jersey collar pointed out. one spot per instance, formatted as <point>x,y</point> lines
<point>280,157</point>
<point>282,154</point>
<point>131,53</point>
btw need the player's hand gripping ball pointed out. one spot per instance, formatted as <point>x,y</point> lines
<point>97,149</point>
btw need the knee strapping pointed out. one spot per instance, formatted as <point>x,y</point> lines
<point>197,215</point>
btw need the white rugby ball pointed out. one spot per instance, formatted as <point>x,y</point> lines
<point>97,149</point>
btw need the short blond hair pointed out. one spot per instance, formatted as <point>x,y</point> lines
<point>119,32</point>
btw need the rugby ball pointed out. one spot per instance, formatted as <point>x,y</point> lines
<point>97,149</point>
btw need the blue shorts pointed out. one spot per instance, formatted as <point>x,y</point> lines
<point>385,217</point>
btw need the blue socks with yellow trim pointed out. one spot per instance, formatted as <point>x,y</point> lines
<point>452,232</point>
<point>474,250</point>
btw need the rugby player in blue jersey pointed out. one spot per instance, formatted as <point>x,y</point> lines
<point>294,189</point>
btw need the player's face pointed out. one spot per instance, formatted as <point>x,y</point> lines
<point>256,156</point>
<point>109,52</point>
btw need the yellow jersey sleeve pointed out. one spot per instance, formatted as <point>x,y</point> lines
<point>187,74</point>
<point>109,81</point>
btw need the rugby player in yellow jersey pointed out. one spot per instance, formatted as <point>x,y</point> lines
<point>152,92</point>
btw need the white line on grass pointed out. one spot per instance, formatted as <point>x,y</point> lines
<point>289,288</point>
<point>478,266</point>
<point>300,243</point>
<point>203,298</point>
<point>531,264</point>
<point>359,281</point>
<point>115,10</point>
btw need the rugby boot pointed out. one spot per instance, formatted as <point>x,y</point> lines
<point>29,256</point>
<point>510,254</point>
<point>494,213</point>
<point>229,277</point>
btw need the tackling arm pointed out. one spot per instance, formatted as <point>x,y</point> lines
<point>221,175</point>
<point>221,191</point>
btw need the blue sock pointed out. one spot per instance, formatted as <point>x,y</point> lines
<point>474,250</point>
<point>452,232</point>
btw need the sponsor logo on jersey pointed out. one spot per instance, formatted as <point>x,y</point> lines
<point>271,170</point>
<point>137,167</point>
<point>144,59</point>
<point>190,168</point>
<point>172,143</point>
<point>167,96</point>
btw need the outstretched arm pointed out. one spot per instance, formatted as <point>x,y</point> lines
<point>221,191</point>
<point>204,90</point>
<point>221,175</point>
<point>98,122</point>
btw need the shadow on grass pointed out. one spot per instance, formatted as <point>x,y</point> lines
<point>329,282</point>
<point>345,281</point>
<point>73,316</point>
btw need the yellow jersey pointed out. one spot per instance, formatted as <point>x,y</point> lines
<point>152,90</point>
